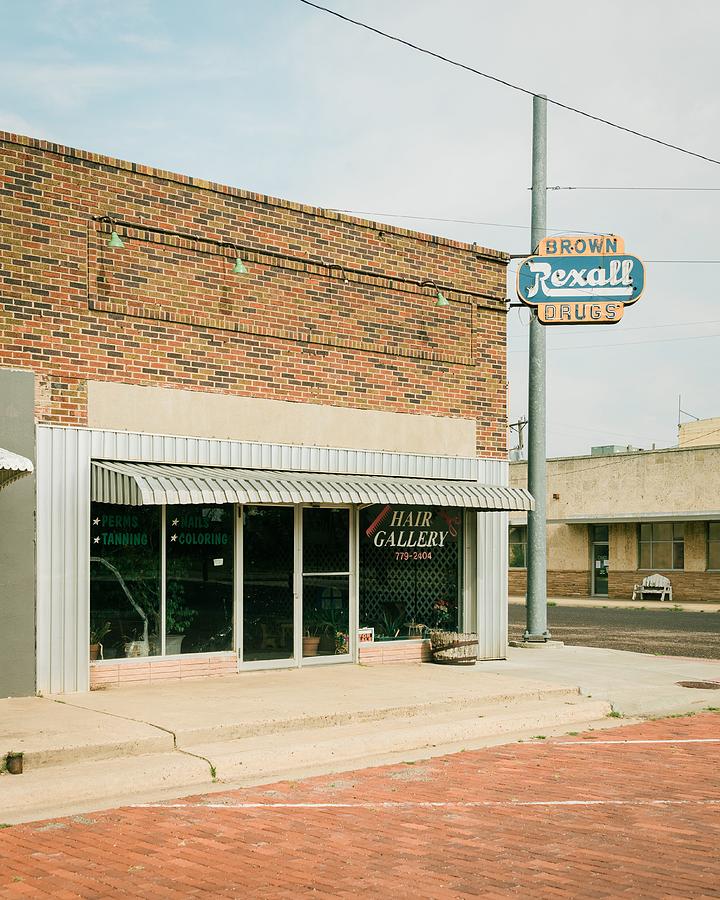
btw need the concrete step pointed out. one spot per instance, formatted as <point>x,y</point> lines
<point>84,734</point>
<point>373,713</point>
<point>88,785</point>
<point>257,759</point>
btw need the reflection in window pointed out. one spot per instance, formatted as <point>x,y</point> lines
<point>517,547</point>
<point>326,581</point>
<point>268,569</point>
<point>713,545</point>
<point>326,546</point>
<point>662,545</point>
<point>124,581</point>
<point>199,579</point>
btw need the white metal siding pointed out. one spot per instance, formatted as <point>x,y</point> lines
<point>492,584</point>
<point>63,526</point>
<point>63,559</point>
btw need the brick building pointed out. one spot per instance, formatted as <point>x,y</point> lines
<point>239,410</point>
<point>621,514</point>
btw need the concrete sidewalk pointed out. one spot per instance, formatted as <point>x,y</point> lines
<point>698,606</point>
<point>107,748</point>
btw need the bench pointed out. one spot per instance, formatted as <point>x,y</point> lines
<point>656,587</point>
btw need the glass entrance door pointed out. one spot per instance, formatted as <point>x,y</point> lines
<point>600,563</point>
<point>268,596</point>
<point>325,582</point>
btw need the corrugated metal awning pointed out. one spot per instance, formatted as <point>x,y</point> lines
<point>13,466</point>
<point>139,484</point>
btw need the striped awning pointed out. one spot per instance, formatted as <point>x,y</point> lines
<point>139,484</point>
<point>13,466</point>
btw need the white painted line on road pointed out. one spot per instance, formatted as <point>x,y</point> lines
<point>428,804</point>
<point>591,743</point>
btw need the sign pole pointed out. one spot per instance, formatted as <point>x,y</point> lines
<point>536,604</point>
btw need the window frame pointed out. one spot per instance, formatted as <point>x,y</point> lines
<point>522,544</point>
<point>708,542</point>
<point>674,542</point>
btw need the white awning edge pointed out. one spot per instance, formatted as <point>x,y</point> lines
<point>139,484</point>
<point>13,466</point>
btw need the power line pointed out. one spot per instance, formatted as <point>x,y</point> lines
<point>558,187</point>
<point>695,337</point>
<point>385,215</point>
<point>665,325</point>
<point>568,426</point>
<point>363,212</point>
<point>699,437</point>
<point>515,87</point>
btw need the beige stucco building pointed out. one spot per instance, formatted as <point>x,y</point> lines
<point>618,515</point>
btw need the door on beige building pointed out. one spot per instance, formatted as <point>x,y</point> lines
<point>600,559</point>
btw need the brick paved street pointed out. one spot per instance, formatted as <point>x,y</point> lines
<point>628,811</point>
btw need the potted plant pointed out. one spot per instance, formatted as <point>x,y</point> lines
<point>313,630</point>
<point>97,633</point>
<point>441,614</point>
<point>178,618</point>
<point>390,624</point>
<point>333,633</point>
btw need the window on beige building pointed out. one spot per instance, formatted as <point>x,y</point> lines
<point>517,547</point>
<point>662,545</point>
<point>713,545</point>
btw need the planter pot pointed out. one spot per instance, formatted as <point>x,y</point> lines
<point>310,646</point>
<point>95,651</point>
<point>173,643</point>
<point>137,648</point>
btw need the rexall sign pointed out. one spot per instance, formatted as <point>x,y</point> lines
<point>585,279</point>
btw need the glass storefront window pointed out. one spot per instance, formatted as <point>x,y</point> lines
<point>124,581</point>
<point>410,569</point>
<point>199,578</point>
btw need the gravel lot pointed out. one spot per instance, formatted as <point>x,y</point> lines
<point>669,632</point>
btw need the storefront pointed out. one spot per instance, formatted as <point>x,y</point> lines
<point>197,569</point>
<point>264,434</point>
<point>179,568</point>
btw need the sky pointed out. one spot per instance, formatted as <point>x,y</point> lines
<point>275,97</point>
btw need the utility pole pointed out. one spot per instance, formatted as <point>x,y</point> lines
<point>536,604</point>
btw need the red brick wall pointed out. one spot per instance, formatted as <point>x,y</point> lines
<point>167,311</point>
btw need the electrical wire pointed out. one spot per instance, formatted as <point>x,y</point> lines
<point>665,325</point>
<point>558,187</point>
<point>701,436</point>
<point>360,212</point>
<point>695,337</point>
<point>502,81</point>
<point>568,426</point>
